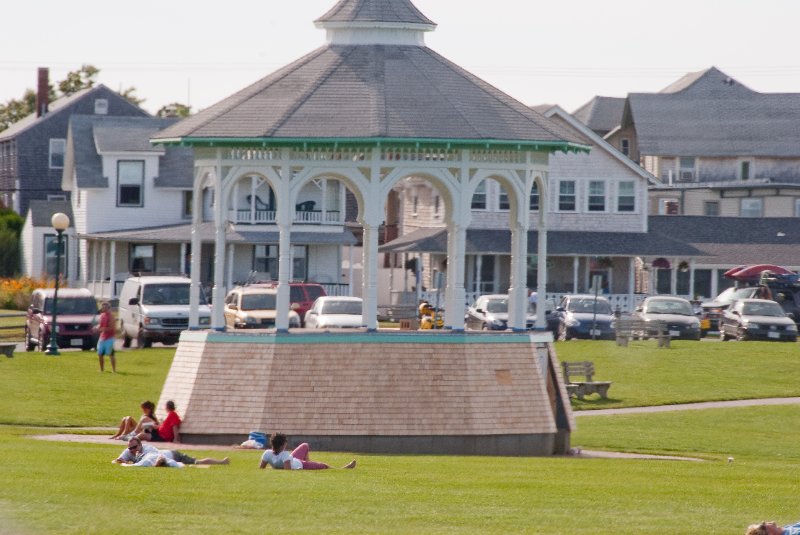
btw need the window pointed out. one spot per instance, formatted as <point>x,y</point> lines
<point>265,260</point>
<point>143,258</point>
<point>797,207</point>
<point>711,208</point>
<point>299,262</point>
<point>745,169</point>
<point>502,199</point>
<point>686,172</point>
<point>186,209</point>
<point>752,208</point>
<point>626,197</point>
<point>668,207</point>
<point>57,149</point>
<point>566,196</point>
<point>130,183</point>
<point>534,200</point>
<point>56,197</point>
<point>597,196</point>
<point>625,146</point>
<point>479,198</point>
<point>51,253</point>
<point>101,106</point>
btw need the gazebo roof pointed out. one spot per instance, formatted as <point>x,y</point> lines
<point>372,90</point>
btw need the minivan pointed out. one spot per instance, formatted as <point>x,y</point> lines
<point>76,317</point>
<point>156,309</point>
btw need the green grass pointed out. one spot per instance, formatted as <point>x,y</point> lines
<point>55,487</point>
<point>687,372</point>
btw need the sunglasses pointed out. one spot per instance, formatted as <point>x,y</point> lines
<point>135,446</point>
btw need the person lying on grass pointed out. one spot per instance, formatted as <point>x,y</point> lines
<point>771,528</point>
<point>156,459</point>
<point>145,455</point>
<point>281,459</point>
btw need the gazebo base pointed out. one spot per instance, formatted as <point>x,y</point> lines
<point>385,392</point>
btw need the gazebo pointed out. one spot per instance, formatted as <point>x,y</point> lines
<point>371,107</point>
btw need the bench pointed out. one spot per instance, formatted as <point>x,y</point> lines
<point>588,386</point>
<point>634,329</point>
<point>7,348</point>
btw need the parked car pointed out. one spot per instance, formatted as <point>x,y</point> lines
<point>757,319</point>
<point>490,313</point>
<point>712,310</point>
<point>156,309</point>
<point>302,296</point>
<point>584,316</point>
<point>676,313</point>
<point>76,317</point>
<point>334,312</point>
<point>254,307</point>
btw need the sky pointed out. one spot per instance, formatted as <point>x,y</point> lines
<point>557,52</point>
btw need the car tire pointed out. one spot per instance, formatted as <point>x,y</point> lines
<point>484,327</point>
<point>741,335</point>
<point>126,339</point>
<point>141,341</point>
<point>30,345</point>
<point>722,336</point>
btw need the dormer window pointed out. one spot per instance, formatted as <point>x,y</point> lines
<point>101,106</point>
<point>57,149</point>
<point>686,169</point>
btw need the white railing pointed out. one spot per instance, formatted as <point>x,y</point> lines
<point>337,289</point>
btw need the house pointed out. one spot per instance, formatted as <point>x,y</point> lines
<point>133,202</point>
<point>32,150</point>
<point>597,226</point>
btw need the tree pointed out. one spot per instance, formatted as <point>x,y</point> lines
<point>77,80</point>
<point>175,109</point>
<point>130,96</point>
<point>10,229</point>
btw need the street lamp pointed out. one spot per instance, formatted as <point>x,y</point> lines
<point>60,223</point>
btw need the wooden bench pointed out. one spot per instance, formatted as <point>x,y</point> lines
<point>634,329</point>
<point>7,348</point>
<point>588,386</point>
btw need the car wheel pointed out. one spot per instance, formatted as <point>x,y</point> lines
<point>141,341</point>
<point>126,339</point>
<point>30,345</point>
<point>722,336</point>
<point>741,335</point>
<point>43,342</point>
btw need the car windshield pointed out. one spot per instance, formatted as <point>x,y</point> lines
<point>72,305</point>
<point>497,306</point>
<point>263,301</point>
<point>588,306</point>
<point>352,308</point>
<point>314,292</point>
<point>167,294</point>
<point>658,306</point>
<point>762,309</point>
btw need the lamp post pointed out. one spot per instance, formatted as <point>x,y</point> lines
<point>60,223</point>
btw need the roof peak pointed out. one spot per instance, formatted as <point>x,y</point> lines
<point>357,22</point>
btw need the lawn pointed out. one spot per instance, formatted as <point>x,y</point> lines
<point>12,325</point>
<point>53,487</point>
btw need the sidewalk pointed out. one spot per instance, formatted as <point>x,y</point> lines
<point>691,406</point>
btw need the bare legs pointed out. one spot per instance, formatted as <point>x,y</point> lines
<point>129,425</point>
<point>113,360</point>
<point>301,453</point>
<point>209,460</point>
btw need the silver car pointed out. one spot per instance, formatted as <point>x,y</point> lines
<point>329,312</point>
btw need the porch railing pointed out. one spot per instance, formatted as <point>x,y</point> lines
<point>308,217</point>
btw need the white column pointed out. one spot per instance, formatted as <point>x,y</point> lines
<point>455,298</point>
<point>182,265</point>
<point>284,216</point>
<point>517,291</point>
<point>229,278</point>
<point>541,275</point>
<point>350,271</point>
<point>575,264</point>
<point>253,200</point>
<point>197,245</point>
<point>370,270</point>
<point>324,207</point>
<point>94,263</point>
<point>673,277</point>
<point>220,220</point>
<point>102,278</point>
<point>691,279</point>
<point>631,284</point>
<point>113,269</point>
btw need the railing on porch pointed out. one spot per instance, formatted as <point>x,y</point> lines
<point>336,289</point>
<point>308,217</point>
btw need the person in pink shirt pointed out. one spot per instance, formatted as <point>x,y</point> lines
<point>105,343</point>
<point>168,431</point>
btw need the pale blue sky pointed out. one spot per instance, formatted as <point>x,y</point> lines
<point>557,52</point>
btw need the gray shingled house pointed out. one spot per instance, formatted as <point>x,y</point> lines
<point>32,150</point>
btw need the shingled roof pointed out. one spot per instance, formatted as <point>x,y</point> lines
<point>601,114</point>
<point>710,114</point>
<point>388,11</point>
<point>368,93</point>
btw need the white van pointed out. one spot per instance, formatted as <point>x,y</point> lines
<point>156,309</point>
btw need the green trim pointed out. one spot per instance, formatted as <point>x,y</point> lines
<point>383,337</point>
<point>335,143</point>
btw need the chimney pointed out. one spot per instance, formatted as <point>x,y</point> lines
<point>42,91</point>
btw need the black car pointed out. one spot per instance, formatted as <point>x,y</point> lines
<point>676,314</point>
<point>757,319</point>
<point>584,316</point>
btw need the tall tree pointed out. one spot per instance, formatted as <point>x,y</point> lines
<point>175,109</point>
<point>77,80</point>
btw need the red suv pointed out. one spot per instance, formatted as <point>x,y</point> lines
<point>77,311</point>
<point>302,296</point>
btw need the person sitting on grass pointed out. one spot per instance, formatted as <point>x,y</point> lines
<point>145,455</point>
<point>771,528</point>
<point>168,431</point>
<point>128,427</point>
<point>281,459</point>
